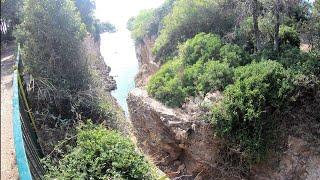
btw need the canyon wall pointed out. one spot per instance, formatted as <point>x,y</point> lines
<point>96,61</point>
<point>146,60</point>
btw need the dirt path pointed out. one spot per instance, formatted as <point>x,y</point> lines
<point>8,162</point>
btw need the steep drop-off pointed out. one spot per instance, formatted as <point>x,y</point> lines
<point>146,60</point>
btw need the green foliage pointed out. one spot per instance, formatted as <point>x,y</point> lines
<point>86,9</point>
<point>166,85</point>
<point>148,22</point>
<point>69,81</point>
<point>10,17</point>
<point>234,55</point>
<point>201,47</point>
<point>142,24</point>
<point>289,35</point>
<point>106,27</point>
<point>241,118</point>
<point>190,17</point>
<point>101,154</point>
<point>216,76</point>
<point>258,91</point>
<point>130,24</point>
<point>203,65</point>
<point>54,45</point>
<point>191,75</point>
<point>101,27</point>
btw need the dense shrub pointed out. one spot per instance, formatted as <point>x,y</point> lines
<point>204,65</point>
<point>201,47</point>
<point>311,65</point>
<point>101,154</point>
<point>86,9</point>
<point>190,77</point>
<point>166,86</point>
<point>216,76</point>
<point>70,81</point>
<point>234,55</point>
<point>289,35</point>
<point>294,58</point>
<point>259,89</point>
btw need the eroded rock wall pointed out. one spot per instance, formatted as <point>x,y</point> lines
<point>96,61</point>
<point>147,63</point>
<point>179,145</point>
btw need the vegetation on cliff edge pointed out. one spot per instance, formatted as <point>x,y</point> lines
<point>249,50</point>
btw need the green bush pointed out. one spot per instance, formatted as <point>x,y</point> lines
<point>48,54</point>
<point>234,55</point>
<point>166,86</point>
<point>101,154</point>
<point>311,66</point>
<point>259,89</point>
<point>202,65</point>
<point>190,77</point>
<point>306,62</point>
<point>289,35</point>
<point>201,47</point>
<point>216,76</point>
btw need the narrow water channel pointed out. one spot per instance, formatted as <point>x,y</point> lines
<point>118,48</point>
<point>119,53</point>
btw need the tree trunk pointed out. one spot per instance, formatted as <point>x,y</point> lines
<point>277,25</point>
<point>255,25</point>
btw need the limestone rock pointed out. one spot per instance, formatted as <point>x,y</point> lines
<point>147,63</point>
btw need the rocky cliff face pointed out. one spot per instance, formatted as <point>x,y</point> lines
<point>300,160</point>
<point>185,147</point>
<point>147,63</point>
<point>97,63</point>
<point>179,145</point>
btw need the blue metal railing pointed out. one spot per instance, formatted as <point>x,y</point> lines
<point>28,151</point>
<point>21,156</point>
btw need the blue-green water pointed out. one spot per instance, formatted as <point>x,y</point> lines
<point>119,53</point>
<point>118,48</point>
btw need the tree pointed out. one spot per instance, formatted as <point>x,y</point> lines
<point>86,9</point>
<point>10,10</point>
<point>277,25</point>
<point>51,35</point>
<point>255,25</point>
<point>190,17</point>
